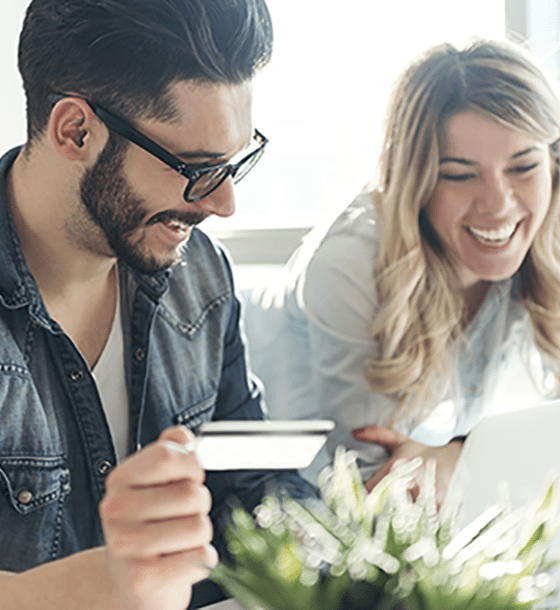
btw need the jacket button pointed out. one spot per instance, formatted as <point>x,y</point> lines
<point>76,375</point>
<point>104,467</point>
<point>140,354</point>
<point>24,497</point>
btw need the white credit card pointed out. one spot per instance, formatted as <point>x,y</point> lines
<point>248,445</point>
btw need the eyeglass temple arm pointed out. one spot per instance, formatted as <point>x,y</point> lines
<point>126,131</point>
<point>130,133</point>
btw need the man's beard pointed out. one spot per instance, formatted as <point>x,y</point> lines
<point>120,213</point>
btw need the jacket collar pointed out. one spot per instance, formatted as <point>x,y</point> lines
<point>17,286</point>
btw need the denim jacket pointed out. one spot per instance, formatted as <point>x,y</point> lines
<point>185,364</point>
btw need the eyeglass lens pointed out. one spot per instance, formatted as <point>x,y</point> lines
<point>209,181</point>
<point>246,167</point>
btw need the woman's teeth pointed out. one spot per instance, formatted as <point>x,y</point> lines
<point>493,237</point>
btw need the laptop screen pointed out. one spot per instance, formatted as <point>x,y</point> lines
<point>520,448</point>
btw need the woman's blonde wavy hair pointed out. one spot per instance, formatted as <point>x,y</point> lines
<point>422,311</point>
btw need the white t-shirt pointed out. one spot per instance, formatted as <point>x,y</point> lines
<point>110,378</point>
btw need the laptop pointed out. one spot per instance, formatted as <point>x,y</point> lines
<point>520,448</point>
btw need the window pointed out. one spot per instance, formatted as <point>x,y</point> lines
<point>322,101</point>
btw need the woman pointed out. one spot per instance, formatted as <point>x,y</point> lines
<point>434,298</point>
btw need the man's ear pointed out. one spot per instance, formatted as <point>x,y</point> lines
<point>75,131</point>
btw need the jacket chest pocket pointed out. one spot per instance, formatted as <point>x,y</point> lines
<point>31,508</point>
<point>198,413</point>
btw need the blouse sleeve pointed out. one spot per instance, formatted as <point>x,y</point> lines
<point>338,296</point>
<point>310,332</point>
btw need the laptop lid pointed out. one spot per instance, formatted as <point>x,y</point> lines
<point>521,448</point>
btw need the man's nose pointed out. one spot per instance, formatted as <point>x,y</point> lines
<point>220,202</point>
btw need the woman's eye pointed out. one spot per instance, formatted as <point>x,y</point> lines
<point>521,169</point>
<point>456,177</point>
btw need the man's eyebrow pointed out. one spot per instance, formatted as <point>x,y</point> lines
<point>189,155</point>
<point>199,154</point>
<point>471,163</point>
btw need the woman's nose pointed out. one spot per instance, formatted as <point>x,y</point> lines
<point>495,197</point>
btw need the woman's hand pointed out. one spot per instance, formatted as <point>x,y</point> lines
<point>156,525</point>
<point>404,448</point>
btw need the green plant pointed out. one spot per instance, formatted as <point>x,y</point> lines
<point>384,551</point>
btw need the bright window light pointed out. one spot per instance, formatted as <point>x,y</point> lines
<point>322,99</point>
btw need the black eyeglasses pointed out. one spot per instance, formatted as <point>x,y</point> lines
<point>201,180</point>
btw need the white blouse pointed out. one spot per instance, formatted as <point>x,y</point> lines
<point>309,337</point>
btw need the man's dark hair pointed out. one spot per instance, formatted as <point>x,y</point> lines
<point>125,54</point>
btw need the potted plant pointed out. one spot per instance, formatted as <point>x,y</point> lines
<point>385,551</point>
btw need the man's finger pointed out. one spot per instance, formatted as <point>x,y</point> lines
<point>177,434</point>
<point>189,566</point>
<point>175,499</point>
<point>152,539</point>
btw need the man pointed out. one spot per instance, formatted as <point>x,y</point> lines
<point>118,319</point>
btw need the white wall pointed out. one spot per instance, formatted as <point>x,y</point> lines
<point>321,100</point>
<point>12,113</point>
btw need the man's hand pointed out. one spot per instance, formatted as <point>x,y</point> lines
<point>404,448</point>
<point>156,525</point>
